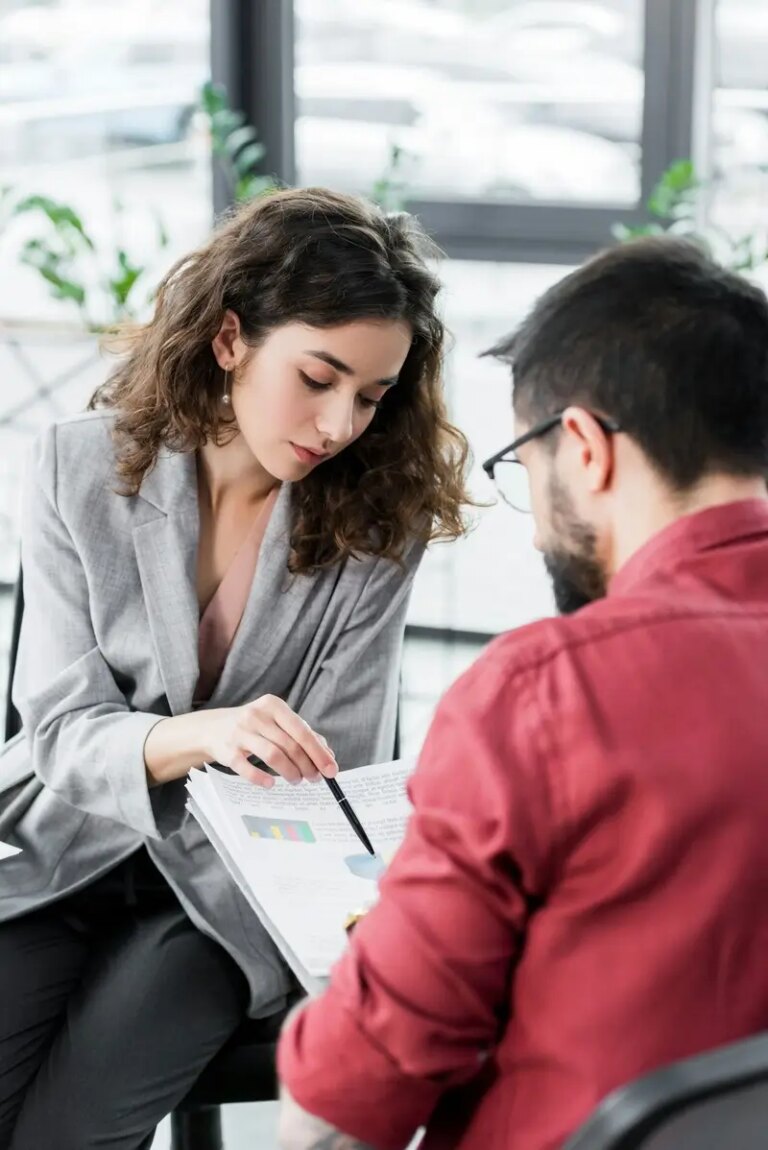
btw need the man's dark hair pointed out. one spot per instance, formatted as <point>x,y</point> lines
<point>659,337</point>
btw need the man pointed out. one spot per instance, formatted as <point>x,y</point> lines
<point>582,894</point>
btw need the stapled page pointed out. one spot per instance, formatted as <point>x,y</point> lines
<point>296,857</point>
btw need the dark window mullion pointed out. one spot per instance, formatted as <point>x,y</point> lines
<point>678,64</point>
<point>252,56</point>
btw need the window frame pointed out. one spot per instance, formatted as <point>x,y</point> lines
<point>253,56</point>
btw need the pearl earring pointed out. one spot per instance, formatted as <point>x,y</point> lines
<point>226,398</point>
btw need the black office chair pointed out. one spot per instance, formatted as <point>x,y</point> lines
<point>715,1101</point>
<point>244,1069</point>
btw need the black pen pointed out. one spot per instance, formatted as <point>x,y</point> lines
<point>337,793</point>
<point>349,814</point>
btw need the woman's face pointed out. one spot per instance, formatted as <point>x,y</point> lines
<point>306,393</point>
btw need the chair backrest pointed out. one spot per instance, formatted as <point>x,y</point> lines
<point>715,1101</point>
<point>12,716</point>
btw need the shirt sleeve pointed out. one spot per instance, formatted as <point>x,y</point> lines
<point>416,1004</point>
<point>85,741</point>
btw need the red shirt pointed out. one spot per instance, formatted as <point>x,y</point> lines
<point>582,893</point>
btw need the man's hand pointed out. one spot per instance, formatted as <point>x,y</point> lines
<point>299,1130</point>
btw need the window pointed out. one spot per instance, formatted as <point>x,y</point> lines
<point>739,132</point>
<point>97,109</point>
<point>428,669</point>
<point>527,102</point>
<point>526,128</point>
<point>492,579</point>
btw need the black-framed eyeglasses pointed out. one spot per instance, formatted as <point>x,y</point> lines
<point>508,473</point>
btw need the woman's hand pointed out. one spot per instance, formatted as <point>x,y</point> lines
<point>266,728</point>
<point>269,730</point>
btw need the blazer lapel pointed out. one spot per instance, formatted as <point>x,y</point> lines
<point>166,552</point>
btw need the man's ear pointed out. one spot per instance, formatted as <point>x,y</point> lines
<point>227,344</point>
<point>593,447</point>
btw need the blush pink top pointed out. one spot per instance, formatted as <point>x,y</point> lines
<point>221,617</point>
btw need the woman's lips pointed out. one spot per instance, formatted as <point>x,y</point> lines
<point>308,456</point>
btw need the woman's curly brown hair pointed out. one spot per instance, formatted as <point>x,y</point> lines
<point>323,259</point>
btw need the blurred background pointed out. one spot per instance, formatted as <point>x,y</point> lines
<point>525,133</point>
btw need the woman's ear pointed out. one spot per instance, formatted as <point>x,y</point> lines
<point>227,344</point>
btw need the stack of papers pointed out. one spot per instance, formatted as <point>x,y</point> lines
<point>295,857</point>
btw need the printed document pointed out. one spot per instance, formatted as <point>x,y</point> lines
<point>296,858</point>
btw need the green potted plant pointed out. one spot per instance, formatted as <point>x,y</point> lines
<point>103,284</point>
<point>235,146</point>
<point>678,206</point>
<point>51,366</point>
<point>98,283</point>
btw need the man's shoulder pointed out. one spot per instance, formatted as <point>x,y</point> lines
<point>537,649</point>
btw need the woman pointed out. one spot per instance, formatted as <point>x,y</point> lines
<point>217,562</point>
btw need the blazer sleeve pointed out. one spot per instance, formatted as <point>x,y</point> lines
<point>352,700</point>
<point>85,742</point>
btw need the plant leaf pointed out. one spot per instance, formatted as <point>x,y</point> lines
<point>248,157</point>
<point>64,218</point>
<point>213,97</point>
<point>163,239</point>
<point>122,284</point>
<point>625,232</point>
<point>225,122</point>
<point>236,145</point>
<point>250,186</point>
<point>54,271</point>
<point>676,192</point>
<point>240,137</point>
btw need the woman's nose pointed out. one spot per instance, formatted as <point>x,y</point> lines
<point>336,421</point>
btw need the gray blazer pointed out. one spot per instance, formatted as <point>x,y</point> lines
<point>109,643</point>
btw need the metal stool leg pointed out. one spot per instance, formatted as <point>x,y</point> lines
<point>197,1129</point>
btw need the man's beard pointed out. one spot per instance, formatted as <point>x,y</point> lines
<point>572,563</point>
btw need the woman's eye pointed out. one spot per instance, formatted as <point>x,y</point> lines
<point>370,403</point>
<point>315,384</point>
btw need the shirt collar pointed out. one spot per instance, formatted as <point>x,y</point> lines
<point>689,535</point>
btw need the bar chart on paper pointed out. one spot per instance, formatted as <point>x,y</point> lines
<point>297,860</point>
<point>290,830</point>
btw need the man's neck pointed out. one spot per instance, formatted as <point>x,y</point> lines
<point>649,506</point>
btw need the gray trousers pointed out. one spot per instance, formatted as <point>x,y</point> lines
<point>111,1004</point>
